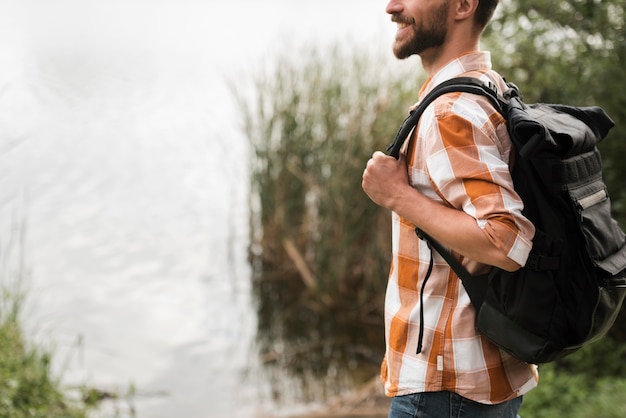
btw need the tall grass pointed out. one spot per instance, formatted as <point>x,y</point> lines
<point>313,119</point>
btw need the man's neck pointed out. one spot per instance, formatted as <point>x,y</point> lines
<point>457,44</point>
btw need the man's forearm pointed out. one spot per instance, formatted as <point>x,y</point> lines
<point>385,180</point>
<point>453,228</point>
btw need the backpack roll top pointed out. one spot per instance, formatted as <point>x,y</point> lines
<point>565,164</point>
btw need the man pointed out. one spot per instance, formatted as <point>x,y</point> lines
<point>452,182</point>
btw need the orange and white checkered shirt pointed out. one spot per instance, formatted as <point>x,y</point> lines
<point>459,155</point>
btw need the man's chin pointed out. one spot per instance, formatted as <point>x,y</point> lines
<point>401,51</point>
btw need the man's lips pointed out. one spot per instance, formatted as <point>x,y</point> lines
<point>402,22</point>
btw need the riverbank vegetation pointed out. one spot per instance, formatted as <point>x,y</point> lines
<point>320,248</point>
<point>311,125</point>
<point>28,388</point>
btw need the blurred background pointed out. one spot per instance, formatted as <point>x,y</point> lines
<point>124,172</point>
<point>182,229</point>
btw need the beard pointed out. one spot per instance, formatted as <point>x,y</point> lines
<point>430,33</point>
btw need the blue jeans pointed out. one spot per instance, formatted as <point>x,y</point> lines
<point>449,405</point>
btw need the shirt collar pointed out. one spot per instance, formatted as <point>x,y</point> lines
<point>473,61</point>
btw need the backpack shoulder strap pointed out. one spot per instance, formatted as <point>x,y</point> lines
<point>476,285</point>
<point>459,84</point>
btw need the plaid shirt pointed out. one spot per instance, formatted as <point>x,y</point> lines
<point>459,155</point>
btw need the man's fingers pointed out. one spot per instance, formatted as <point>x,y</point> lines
<point>378,154</point>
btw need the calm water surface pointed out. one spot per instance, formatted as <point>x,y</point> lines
<point>122,158</point>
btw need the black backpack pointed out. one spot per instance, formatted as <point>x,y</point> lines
<point>572,287</point>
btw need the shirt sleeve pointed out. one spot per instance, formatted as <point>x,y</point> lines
<point>468,166</point>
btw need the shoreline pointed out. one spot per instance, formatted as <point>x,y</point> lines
<point>367,401</point>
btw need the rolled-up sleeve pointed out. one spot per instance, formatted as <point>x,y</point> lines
<point>468,166</point>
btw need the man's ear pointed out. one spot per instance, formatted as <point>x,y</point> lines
<point>465,8</point>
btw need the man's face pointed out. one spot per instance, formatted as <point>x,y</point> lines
<point>419,28</point>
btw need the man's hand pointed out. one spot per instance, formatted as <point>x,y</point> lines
<point>385,179</point>
<point>386,182</point>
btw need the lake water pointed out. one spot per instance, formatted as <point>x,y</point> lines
<point>122,158</point>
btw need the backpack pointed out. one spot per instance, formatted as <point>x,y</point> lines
<point>571,289</point>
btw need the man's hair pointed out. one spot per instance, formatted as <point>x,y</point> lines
<point>484,12</point>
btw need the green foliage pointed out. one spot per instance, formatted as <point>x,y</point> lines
<point>557,395</point>
<point>572,396</point>
<point>26,387</point>
<point>589,383</point>
<point>606,401</point>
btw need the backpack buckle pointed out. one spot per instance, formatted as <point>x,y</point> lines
<point>538,262</point>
